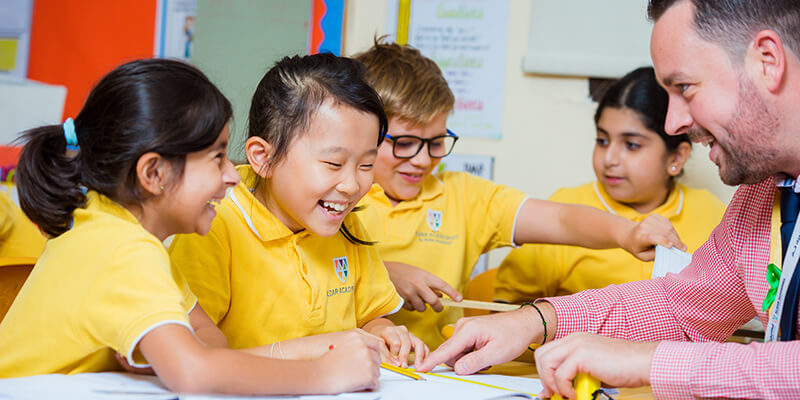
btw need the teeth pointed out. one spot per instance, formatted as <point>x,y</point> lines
<point>334,206</point>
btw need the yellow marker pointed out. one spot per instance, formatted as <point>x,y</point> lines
<point>585,386</point>
<point>402,371</point>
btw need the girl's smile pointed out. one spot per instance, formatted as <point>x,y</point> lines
<point>328,168</point>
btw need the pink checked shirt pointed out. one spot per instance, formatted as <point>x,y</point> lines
<point>691,313</point>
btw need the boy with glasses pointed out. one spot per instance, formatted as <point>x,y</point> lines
<point>432,227</point>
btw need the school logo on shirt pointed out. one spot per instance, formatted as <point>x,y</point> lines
<point>340,266</point>
<point>434,220</point>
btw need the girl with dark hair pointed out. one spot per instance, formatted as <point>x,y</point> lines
<point>636,164</point>
<point>144,159</point>
<point>287,257</point>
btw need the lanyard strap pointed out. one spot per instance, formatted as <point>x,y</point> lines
<point>787,270</point>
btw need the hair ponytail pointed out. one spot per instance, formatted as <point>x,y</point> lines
<point>48,180</point>
<point>156,105</point>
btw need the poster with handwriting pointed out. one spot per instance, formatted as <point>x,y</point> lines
<point>467,39</point>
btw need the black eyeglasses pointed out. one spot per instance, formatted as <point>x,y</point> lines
<point>408,146</point>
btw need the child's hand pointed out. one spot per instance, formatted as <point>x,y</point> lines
<point>418,287</point>
<point>128,367</point>
<point>653,230</point>
<point>319,345</point>
<point>361,355</point>
<point>400,343</point>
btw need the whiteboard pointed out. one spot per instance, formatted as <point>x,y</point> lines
<point>603,39</point>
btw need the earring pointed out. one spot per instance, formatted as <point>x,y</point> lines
<point>674,169</point>
<point>162,186</point>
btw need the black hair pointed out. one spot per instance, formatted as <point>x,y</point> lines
<point>732,23</point>
<point>153,105</point>
<point>639,91</point>
<point>292,91</point>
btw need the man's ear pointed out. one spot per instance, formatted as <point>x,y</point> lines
<point>768,58</point>
<point>259,153</point>
<point>152,172</point>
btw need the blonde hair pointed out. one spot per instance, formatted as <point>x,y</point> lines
<point>410,85</point>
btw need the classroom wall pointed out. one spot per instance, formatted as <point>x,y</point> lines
<point>548,126</point>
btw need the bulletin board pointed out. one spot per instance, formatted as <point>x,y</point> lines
<point>75,43</point>
<point>237,41</point>
<point>603,39</point>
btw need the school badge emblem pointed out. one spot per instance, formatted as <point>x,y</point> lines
<point>340,266</point>
<point>434,220</point>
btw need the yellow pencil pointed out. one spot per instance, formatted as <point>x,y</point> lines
<point>402,371</point>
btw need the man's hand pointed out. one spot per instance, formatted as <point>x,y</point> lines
<point>616,362</point>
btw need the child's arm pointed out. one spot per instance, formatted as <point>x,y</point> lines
<point>186,365</point>
<point>399,341</point>
<point>205,329</point>
<point>417,286</point>
<point>542,221</point>
<point>312,347</point>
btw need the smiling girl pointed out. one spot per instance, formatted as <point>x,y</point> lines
<point>144,159</point>
<point>287,258</point>
<point>636,164</point>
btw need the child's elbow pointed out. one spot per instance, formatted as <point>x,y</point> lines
<point>183,382</point>
<point>190,378</point>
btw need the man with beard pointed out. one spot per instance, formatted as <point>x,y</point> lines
<point>732,73</point>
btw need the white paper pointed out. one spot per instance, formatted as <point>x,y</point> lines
<point>467,39</point>
<point>669,260</point>
<point>115,385</point>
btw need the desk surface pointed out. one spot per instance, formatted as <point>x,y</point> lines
<point>528,370</point>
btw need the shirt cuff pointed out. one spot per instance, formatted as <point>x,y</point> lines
<point>671,370</point>
<point>572,315</point>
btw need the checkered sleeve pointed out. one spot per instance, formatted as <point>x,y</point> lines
<point>692,312</point>
<point>726,370</point>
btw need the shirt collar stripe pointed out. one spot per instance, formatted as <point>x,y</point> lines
<point>247,218</point>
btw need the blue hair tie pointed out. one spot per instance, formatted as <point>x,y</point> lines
<point>69,134</point>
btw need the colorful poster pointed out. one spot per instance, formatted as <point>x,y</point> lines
<point>326,27</point>
<point>175,28</point>
<point>467,39</point>
<point>88,38</point>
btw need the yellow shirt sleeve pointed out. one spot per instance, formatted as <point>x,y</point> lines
<point>19,237</point>
<point>205,263</point>
<point>527,273</point>
<point>134,294</point>
<point>375,295</point>
<point>542,270</point>
<point>491,211</point>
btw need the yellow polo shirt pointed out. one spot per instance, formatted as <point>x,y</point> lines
<point>96,289</point>
<point>542,270</point>
<point>262,283</point>
<point>455,218</point>
<point>19,237</point>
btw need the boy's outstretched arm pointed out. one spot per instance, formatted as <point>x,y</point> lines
<point>542,221</point>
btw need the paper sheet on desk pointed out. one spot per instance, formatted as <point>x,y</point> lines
<point>113,385</point>
<point>669,260</point>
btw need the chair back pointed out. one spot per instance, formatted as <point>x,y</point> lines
<point>481,288</point>
<point>13,273</point>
